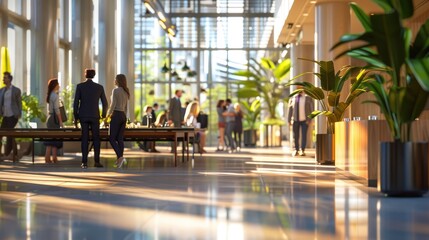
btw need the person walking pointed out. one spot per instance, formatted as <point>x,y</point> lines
<point>238,126</point>
<point>54,120</point>
<point>85,109</point>
<point>221,124</point>
<point>300,107</point>
<point>229,115</point>
<point>118,114</point>
<point>10,110</point>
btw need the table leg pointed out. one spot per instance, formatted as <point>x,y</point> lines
<point>175,151</point>
<point>187,147</point>
<point>32,150</point>
<point>183,149</point>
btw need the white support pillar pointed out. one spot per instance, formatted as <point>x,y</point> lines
<point>300,66</point>
<point>107,45</point>
<point>82,39</point>
<point>126,52</point>
<point>44,45</point>
<point>332,21</point>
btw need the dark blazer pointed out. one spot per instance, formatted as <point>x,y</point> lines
<point>175,112</point>
<point>309,107</point>
<point>87,97</point>
<point>16,101</point>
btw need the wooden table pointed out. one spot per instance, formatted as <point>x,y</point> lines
<point>174,135</point>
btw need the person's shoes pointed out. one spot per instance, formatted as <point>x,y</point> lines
<point>155,151</point>
<point>238,149</point>
<point>122,161</point>
<point>98,165</point>
<point>219,150</point>
<point>84,166</point>
<point>301,153</point>
<point>294,153</point>
<point>55,160</point>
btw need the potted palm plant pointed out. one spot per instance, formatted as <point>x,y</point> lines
<point>400,88</point>
<point>32,111</point>
<point>265,80</point>
<point>328,96</point>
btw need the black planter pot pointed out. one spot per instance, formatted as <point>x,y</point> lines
<point>325,149</point>
<point>403,168</point>
<point>249,138</point>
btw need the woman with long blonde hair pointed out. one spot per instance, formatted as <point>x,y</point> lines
<point>117,112</point>
<point>191,114</point>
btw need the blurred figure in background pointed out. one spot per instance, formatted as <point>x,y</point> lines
<point>221,124</point>
<point>238,126</point>
<point>191,113</point>
<point>229,115</point>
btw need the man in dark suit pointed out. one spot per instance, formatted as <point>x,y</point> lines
<point>175,110</point>
<point>300,107</point>
<point>10,110</point>
<point>86,110</point>
<point>175,117</point>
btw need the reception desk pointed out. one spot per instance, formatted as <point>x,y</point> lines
<point>357,147</point>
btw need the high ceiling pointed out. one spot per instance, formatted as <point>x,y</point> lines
<point>236,24</point>
<point>301,14</point>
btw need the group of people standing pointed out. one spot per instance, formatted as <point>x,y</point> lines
<point>230,124</point>
<point>86,111</point>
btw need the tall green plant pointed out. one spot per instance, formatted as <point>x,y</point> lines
<point>31,108</point>
<point>329,93</point>
<point>67,96</point>
<point>252,112</point>
<point>386,44</point>
<point>265,79</point>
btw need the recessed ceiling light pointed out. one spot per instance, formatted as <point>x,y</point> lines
<point>312,2</point>
<point>298,25</point>
<point>305,14</point>
<point>292,34</point>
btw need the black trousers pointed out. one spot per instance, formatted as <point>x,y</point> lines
<point>9,122</point>
<point>94,125</point>
<point>116,132</point>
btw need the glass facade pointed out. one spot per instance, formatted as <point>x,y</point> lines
<point>214,39</point>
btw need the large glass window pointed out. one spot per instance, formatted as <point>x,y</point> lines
<point>214,39</point>
<point>16,46</point>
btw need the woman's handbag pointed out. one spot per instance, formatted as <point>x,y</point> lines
<point>63,112</point>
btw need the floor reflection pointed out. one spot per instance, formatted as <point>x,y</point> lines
<point>260,195</point>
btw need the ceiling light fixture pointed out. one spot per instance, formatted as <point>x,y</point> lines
<point>149,7</point>
<point>157,9</point>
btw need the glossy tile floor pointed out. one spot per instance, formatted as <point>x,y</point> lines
<point>256,194</point>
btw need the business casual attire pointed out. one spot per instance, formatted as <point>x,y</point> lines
<point>86,109</point>
<point>10,110</point>
<point>118,109</point>
<point>230,122</point>
<point>238,128</point>
<point>300,107</point>
<point>52,121</point>
<point>175,111</point>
